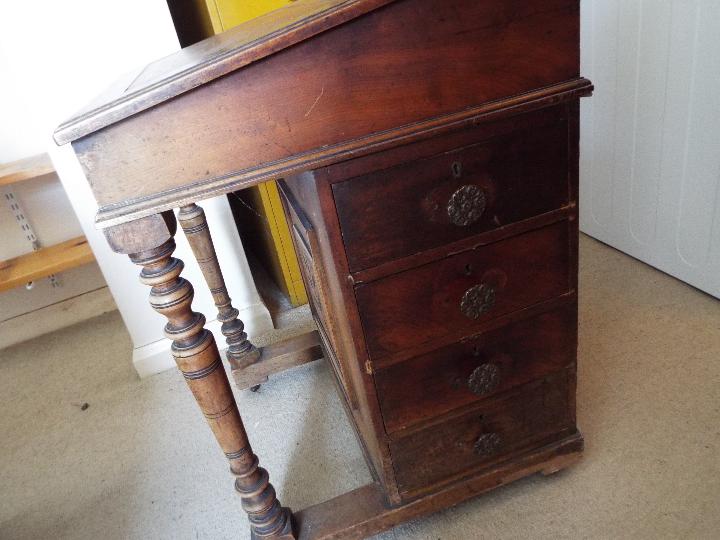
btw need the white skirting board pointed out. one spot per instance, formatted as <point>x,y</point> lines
<point>56,316</point>
<point>145,326</point>
<point>148,359</point>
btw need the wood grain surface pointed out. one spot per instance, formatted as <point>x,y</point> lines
<point>211,58</point>
<point>402,210</point>
<point>293,108</point>
<point>439,453</point>
<point>422,306</point>
<point>20,270</point>
<point>441,380</point>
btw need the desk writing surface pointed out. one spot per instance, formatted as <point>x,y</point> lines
<point>326,97</point>
<point>213,57</point>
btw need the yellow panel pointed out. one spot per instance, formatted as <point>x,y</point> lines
<point>283,241</point>
<point>281,256</point>
<point>234,12</point>
<point>207,18</point>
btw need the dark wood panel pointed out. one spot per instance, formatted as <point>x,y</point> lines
<point>408,61</point>
<point>418,306</point>
<point>477,368</point>
<point>494,430</point>
<point>307,246</point>
<point>411,207</point>
<point>568,212</point>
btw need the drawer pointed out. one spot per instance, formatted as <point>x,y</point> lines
<point>535,415</point>
<point>426,203</point>
<point>476,368</point>
<point>448,299</point>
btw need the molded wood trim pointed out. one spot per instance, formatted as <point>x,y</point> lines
<point>320,157</point>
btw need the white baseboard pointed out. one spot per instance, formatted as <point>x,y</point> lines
<point>149,359</point>
<point>56,316</point>
<point>155,357</point>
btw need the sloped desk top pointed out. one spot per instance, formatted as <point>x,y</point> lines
<point>214,57</point>
<point>312,84</point>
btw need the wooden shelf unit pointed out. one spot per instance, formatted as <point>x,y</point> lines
<point>48,260</point>
<point>44,262</point>
<point>25,169</point>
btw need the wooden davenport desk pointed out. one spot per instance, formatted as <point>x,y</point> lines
<point>429,150</point>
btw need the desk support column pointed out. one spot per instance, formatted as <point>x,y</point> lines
<point>241,352</point>
<point>150,244</point>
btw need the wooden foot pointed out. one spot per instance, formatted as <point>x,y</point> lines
<point>286,533</point>
<point>279,357</point>
<point>240,352</point>
<point>553,468</point>
<point>197,356</point>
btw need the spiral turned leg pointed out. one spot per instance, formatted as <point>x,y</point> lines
<point>197,357</point>
<point>241,352</point>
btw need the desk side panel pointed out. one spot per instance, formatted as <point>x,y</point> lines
<point>339,315</point>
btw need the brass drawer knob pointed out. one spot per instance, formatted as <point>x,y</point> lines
<point>484,379</point>
<point>477,300</point>
<point>466,205</point>
<point>487,444</point>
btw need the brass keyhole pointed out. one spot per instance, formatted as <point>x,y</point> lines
<point>457,169</point>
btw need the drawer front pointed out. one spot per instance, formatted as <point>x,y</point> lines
<point>449,299</point>
<point>477,368</point>
<point>426,203</point>
<point>536,414</point>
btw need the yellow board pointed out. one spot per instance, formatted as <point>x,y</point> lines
<point>265,199</point>
<point>228,13</point>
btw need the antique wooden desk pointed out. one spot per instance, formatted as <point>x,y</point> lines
<point>429,150</point>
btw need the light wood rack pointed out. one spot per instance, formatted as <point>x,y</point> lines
<point>47,260</point>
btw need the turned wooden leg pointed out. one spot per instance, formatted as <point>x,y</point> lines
<point>199,361</point>
<point>241,352</point>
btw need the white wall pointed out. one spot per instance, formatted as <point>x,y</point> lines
<point>150,347</point>
<point>75,50</point>
<point>650,136</point>
<point>54,57</point>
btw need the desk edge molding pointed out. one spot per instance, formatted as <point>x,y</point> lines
<point>132,209</point>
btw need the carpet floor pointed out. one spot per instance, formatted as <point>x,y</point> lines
<point>140,463</point>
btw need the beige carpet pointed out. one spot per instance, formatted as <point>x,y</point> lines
<point>140,463</point>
